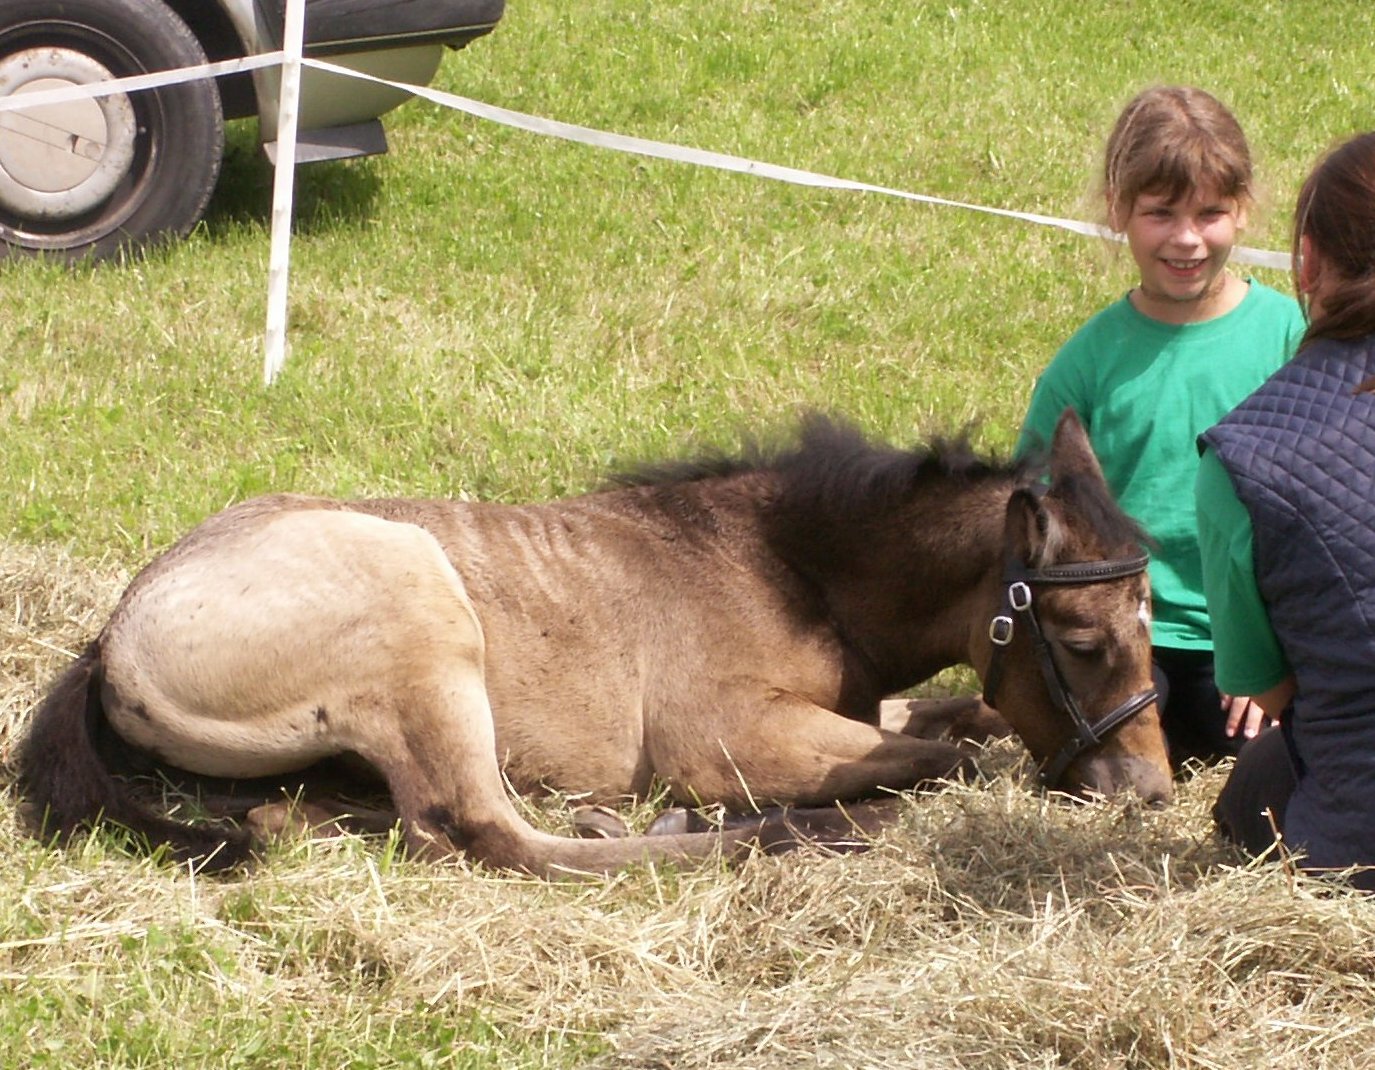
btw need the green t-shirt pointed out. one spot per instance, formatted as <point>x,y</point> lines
<point>1145,390</point>
<point>1247,657</point>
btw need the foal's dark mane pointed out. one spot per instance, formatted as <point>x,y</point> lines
<point>834,477</point>
<point>834,470</point>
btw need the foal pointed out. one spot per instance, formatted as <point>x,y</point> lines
<point>729,630</point>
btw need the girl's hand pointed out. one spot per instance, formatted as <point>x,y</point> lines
<point>1245,714</point>
<point>1257,711</point>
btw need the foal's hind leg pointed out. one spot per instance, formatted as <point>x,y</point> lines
<point>435,745</point>
<point>422,717</point>
<point>433,741</point>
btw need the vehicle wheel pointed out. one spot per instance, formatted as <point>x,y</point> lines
<point>90,177</point>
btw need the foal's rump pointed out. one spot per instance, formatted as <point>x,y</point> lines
<point>277,633</point>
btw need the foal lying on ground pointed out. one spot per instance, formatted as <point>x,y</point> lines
<point>728,628</point>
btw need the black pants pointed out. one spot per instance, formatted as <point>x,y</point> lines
<point>1191,709</point>
<point>1250,808</point>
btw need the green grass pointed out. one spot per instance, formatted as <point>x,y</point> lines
<point>490,313</point>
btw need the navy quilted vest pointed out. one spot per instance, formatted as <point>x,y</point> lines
<point>1301,454</point>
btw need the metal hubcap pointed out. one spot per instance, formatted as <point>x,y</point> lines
<point>60,161</point>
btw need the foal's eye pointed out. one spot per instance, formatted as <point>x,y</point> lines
<point>1085,644</point>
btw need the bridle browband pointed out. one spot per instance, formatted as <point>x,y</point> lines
<point>1018,581</point>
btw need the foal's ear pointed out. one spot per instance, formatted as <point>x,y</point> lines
<point>1034,533</point>
<point>1071,452</point>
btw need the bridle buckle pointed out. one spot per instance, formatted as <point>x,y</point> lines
<point>1000,630</point>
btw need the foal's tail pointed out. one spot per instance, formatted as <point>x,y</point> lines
<point>65,784</point>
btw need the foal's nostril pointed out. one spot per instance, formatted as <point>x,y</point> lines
<point>1110,777</point>
<point>1154,794</point>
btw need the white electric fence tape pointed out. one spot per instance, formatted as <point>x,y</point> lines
<point>38,98</point>
<point>583,135</point>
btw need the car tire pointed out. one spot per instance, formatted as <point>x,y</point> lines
<point>93,177</point>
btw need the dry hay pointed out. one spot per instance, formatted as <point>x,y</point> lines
<point>50,606</point>
<point>994,928</point>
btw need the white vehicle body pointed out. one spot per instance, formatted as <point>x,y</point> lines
<point>94,176</point>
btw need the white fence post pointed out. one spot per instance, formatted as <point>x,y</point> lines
<point>283,185</point>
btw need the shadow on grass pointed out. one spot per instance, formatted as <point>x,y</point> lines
<point>330,196</point>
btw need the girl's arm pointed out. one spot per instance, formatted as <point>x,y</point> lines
<point>1248,660</point>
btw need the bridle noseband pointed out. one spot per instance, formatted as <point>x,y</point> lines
<point>1018,581</point>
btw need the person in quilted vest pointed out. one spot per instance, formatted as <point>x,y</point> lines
<point>1164,362</point>
<point>1286,506</point>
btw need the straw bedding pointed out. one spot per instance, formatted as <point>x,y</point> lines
<point>995,927</point>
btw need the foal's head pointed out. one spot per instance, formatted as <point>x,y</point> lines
<point>1074,642</point>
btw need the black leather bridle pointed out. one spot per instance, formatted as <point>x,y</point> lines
<point>1018,581</point>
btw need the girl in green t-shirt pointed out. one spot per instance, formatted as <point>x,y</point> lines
<point>1156,368</point>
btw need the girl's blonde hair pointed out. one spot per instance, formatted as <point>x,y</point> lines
<point>1170,140</point>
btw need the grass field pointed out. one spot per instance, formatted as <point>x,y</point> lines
<point>490,313</point>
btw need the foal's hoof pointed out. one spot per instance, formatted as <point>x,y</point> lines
<point>671,822</point>
<point>957,762</point>
<point>291,819</point>
<point>598,823</point>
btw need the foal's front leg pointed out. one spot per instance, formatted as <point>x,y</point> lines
<point>785,750</point>
<point>962,717</point>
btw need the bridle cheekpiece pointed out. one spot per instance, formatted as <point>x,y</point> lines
<point>1018,582</point>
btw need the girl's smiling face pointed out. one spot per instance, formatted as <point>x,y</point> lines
<point>1181,248</point>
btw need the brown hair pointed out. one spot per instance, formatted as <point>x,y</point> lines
<point>1336,211</point>
<point>1170,140</point>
